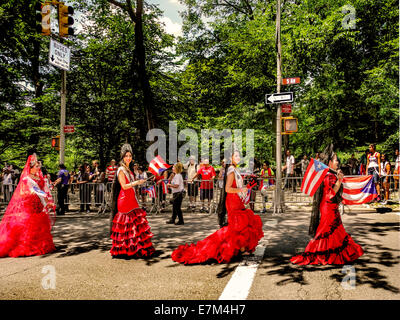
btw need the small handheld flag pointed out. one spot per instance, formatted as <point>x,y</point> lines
<point>315,174</point>
<point>151,191</point>
<point>158,166</point>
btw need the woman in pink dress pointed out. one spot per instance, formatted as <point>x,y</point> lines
<point>26,224</point>
<point>239,236</point>
<point>130,231</point>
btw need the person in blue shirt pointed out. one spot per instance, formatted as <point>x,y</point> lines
<point>63,178</point>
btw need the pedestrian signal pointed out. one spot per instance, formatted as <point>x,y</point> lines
<point>290,125</point>
<point>65,21</point>
<point>55,143</point>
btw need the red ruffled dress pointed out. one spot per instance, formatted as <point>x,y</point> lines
<point>25,227</point>
<point>244,230</point>
<point>131,235</point>
<point>331,244</point>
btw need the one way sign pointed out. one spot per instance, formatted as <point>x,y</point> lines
<point>282,97</point>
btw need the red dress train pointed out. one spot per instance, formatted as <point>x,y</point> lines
<point>331,244</point>
<point>244,230</point>
<point>131,235</point>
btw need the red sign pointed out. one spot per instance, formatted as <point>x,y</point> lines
<point>69,129</point>
<point>286,81</point>
<point>286,108</point>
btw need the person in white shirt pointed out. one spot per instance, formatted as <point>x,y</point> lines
<point>177,188</point>
<point>385,172</point>
<point>289,171</point>
<point>191,168</point>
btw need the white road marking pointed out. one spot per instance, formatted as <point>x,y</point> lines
<point>239,285</point>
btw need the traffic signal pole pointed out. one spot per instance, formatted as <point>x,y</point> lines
<point>278,203</point>
<point>63,94</point>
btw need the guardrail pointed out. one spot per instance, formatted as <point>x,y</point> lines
<point>97,196</point>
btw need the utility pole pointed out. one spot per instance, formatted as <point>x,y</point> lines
<point>62,115</point>
<point>278,204</point>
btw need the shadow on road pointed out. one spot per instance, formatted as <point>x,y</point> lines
<point>369,267</point>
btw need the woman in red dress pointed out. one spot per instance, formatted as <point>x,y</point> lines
<point>330,244</point>
<point>240,235</point>
<point>130,231</point>
<point>26,224</point>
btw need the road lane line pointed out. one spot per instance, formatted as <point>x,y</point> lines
<point>239,285</point>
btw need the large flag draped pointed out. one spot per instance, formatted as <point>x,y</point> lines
<point>158,166</point>
<point>358,190</point>
<point>315,174</point>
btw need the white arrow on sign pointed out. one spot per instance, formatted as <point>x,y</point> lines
<point>282,97</point>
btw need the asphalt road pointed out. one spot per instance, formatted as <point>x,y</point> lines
<point>82,267</point>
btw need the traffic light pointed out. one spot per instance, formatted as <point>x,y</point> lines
<point>55,143</point>
<point>290,125</point>
<point>65,21</point>
<point>43,18</point>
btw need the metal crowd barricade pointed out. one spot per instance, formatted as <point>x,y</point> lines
<point>98,196</point>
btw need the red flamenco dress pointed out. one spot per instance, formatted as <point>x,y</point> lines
<point>26,224</point>
<point>244,230</point>
<point>331,244</point>
<point>131,235</point>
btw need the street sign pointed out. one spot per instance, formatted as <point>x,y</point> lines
<point>69,129</point>
<point>286,108</point>
<point>59,55</point>
<point>282,97</point>
<point>286,81</point>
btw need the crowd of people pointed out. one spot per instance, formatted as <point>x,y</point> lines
<point>93,181</point>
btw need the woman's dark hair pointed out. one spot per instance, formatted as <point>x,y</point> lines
<point>327,156</point>
<point>221,210</point>
<point>115,190</point>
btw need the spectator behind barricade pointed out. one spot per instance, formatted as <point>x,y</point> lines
<point>352,165</point>
<point>193,187</point>
<point>161,192</point>
<point>178,188</point>
<point>136,175</point>
<point>317,156</point>
<point>72,181</point>
<point>374,167</point>
<point>304,164</point>
<point>84,190</point>
<point>363,163</point>
<point>207,174</point>
<point>110,174</point>
<point>396,172</point>
<point>266,174</point>
<point>289,167</point>
<point>385,173</point>
<point>8,177</point>
<point>61,184</point>
<point>142,175</point>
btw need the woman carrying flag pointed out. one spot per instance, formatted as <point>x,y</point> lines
<point>242,233</point>
<point>131,235</point>
<point>330,244</point>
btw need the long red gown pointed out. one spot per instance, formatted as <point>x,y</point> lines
<point>131,235</point>
<point>26,225</point>
<point>244,230</point>
<point>331,244</point>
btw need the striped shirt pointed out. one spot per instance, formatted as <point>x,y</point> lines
<point>110,171</point>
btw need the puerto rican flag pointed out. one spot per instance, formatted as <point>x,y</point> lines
<point>151,191</point>
<point>358,190</point>
<point>247,199</point>
<point>164,187</point>
<point>315,174</point>
<point>158,166</point>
